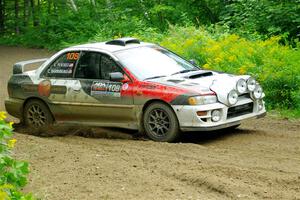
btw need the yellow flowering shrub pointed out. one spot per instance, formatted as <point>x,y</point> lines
<point>12,172</point>
<point>275,66</point>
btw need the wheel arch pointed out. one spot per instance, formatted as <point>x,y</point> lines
<point>155,101</point>
<point>149,102</point>
<point>39,99</point>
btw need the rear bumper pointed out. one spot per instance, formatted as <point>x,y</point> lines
<point>14,107</point>
<point>190,121</point>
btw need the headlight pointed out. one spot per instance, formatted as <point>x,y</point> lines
<point>241,86</point>
<point>232,97</point>
<point>201,100</point>
<point>251,84</point>
<point>257,93</point>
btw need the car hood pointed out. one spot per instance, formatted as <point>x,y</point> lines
<point>204,82</point>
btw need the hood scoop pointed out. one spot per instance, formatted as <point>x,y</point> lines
<point>198,74</point>
<point>176,80</point>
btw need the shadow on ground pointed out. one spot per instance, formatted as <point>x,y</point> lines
<point>204,137</point>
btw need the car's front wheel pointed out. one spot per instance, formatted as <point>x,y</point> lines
<point>37,115</point>
<point>160,123</point>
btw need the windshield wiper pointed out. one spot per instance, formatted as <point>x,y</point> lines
<point>153,77</point>
<point>184,71</point>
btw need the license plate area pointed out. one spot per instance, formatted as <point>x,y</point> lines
<point>240,110</point>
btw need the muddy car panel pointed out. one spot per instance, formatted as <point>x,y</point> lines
<point>103,102</point>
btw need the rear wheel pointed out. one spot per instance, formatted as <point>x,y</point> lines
<point>37,115</point>
<point>160,123</point>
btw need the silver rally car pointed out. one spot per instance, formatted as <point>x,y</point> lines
<point>130,84</point>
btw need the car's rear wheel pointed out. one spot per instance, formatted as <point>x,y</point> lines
<point>37,115</point>
<point>160,123</point>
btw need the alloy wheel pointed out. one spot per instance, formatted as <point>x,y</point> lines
<point>159,122</point>
<point>36,116</point>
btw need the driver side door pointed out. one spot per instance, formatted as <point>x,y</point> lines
<point>102,101</point>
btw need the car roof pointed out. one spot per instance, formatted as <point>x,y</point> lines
<point>113,45</point>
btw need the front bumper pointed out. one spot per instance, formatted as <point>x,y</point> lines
<point>190,121</point>
<point>14,107</point>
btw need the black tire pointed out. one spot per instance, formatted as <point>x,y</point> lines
<point>37,116</point>
<point>160,123</point>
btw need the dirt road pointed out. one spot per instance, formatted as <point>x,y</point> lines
<point>260,160</point>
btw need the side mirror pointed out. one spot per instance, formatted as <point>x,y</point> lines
<point>193,62</point>
<point>116,76</point>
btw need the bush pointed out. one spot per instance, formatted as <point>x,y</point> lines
<point>12,172</point>
<point>275,66</point>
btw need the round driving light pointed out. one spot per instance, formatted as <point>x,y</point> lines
<point>232,97</point>
<point>216,115</point>
<point>257,93</point>
<point>241,86</point>
<point>251,84</point>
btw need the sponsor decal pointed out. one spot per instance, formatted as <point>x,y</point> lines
<point>62,68</point>
<point>44,88</point>
<point>66,65</point>
<point>60,71</point>
<point>151,87</point>
<point>125,86</point>
<point>106,89</point>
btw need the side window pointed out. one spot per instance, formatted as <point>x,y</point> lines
<point>88,66</point>
<point>64,66</point>
<point>108,65</point>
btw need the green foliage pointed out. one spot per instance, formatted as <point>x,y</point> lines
<point>267,17</point>
<point>55,24</point>
<point>12,172</point>
<point>275,66</point>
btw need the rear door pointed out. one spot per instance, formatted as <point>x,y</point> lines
<point>57,85</point>
<point>101,100</point>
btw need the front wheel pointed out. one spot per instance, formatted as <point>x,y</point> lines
<point>160,123</point>
<point>37,115</point>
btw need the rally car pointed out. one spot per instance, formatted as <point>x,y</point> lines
<point>130,84</point>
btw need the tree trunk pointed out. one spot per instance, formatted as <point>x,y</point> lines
<point>55,7</point>
<point>93,2</point>
<point>17,27</point>
<point>49,7</point>
<point>33,13</point>
<point>73,5</point>
<point>38,12</point>
<point>2,18</point>
<point>25,13</point>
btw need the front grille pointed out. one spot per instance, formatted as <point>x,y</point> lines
<point>246,95</point>
<point>240,110</point>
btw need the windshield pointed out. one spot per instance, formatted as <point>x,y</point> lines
<point>153,62</point>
